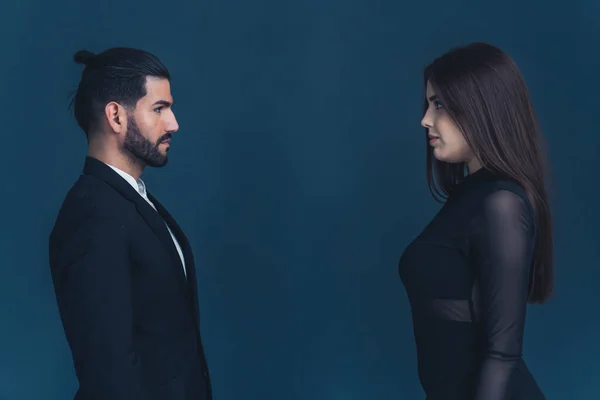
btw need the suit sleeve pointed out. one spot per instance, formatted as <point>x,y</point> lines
<point>91,273</point>
<point>502,251</point>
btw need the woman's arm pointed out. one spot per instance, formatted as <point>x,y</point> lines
<point>502,250</point>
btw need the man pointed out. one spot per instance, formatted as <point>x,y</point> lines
<point>122,269</point>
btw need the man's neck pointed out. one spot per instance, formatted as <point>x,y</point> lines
<point>118,160</point>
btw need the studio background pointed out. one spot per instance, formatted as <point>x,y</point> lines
<point>298,175</point>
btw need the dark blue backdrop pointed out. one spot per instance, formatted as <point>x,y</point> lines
<point>298,174</point>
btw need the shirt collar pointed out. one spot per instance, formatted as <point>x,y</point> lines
<point>138,184</point>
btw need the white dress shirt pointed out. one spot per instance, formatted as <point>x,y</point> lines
<point>140,187</point>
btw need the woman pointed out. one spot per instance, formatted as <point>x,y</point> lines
<point>488,252</point>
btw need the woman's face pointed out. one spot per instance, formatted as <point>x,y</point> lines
<point>449,144</point>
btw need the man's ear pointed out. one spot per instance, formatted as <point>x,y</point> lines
<point>116,117</point>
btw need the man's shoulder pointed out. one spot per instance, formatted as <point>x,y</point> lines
<point>92,210</point>
<point>90,196</point>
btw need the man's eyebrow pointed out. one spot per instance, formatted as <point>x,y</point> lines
<point>162,103</point>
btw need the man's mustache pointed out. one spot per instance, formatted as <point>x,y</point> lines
<point>164,137</point>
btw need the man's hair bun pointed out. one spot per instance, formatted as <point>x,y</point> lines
<point>83,57</point>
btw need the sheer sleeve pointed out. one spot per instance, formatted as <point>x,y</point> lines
<point>502,252</point>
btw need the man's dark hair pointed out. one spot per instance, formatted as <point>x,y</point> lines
<point>117,74</point>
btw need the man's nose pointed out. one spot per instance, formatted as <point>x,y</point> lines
<point>173,126</point>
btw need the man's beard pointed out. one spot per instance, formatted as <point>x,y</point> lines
<point>143,149</point>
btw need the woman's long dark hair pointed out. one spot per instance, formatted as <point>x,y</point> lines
<point>484,93</point>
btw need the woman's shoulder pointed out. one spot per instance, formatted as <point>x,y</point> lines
<point>500,190</point>
<point>499,200</point>
<point>485,186</point>
<point>504,202</point>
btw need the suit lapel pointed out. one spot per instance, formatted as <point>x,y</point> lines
<point>149,214</point>
<point>190,268</point>
<point>157,223</point>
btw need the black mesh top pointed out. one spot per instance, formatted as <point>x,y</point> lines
<point>467,276</point>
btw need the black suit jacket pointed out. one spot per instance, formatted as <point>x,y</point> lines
<point>130,315</point>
